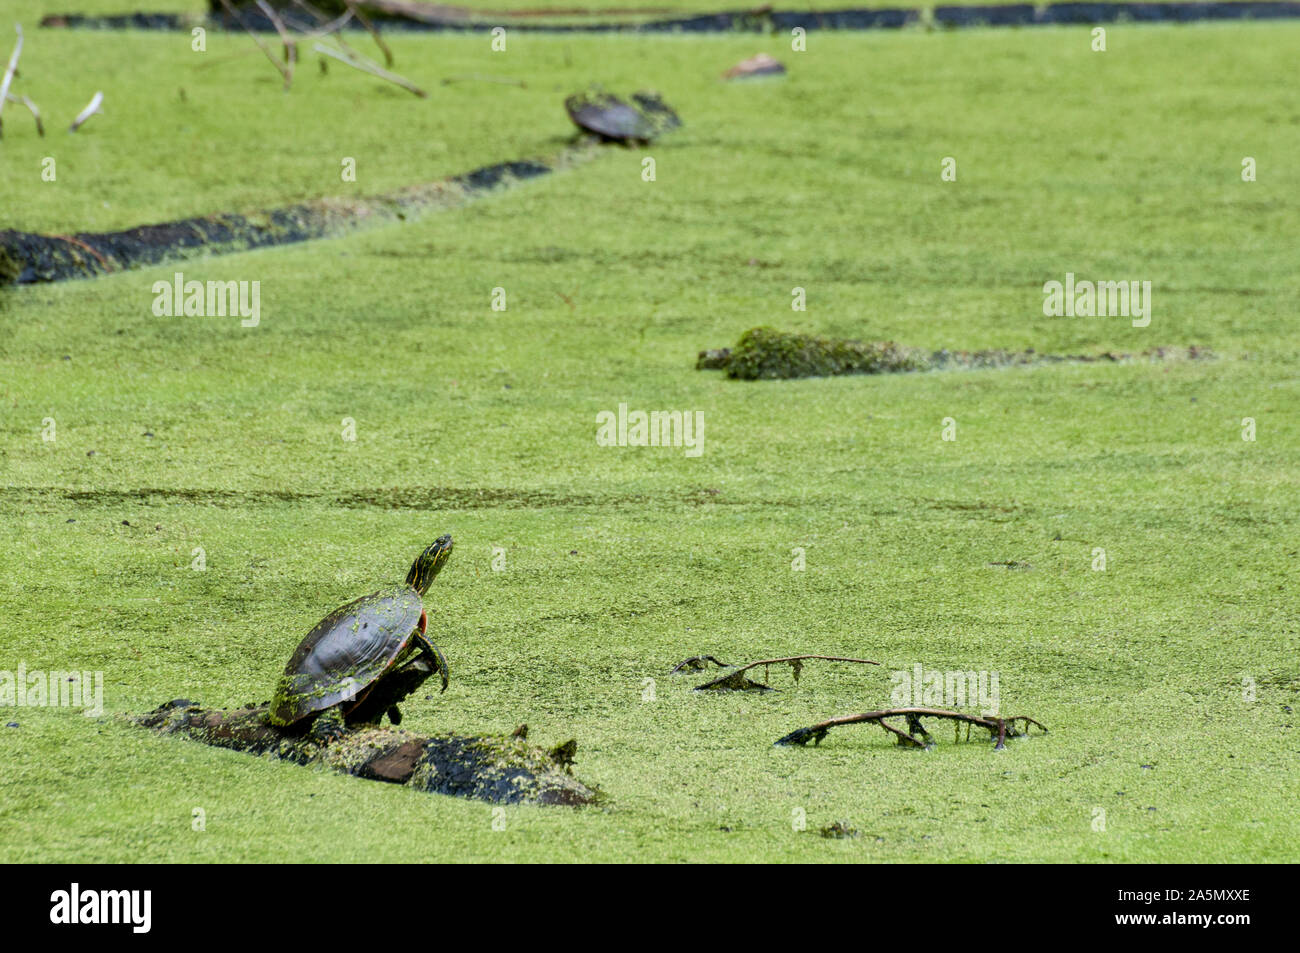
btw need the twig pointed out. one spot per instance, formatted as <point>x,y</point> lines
<point>90,110</point>
<point>290,47</point>
<point>370,28</point>
<point>372,68</point>
<point>284,71</point>
<point>998,728</point>
<point>36,113</point>
<point>736,681</point>
<point>326,27</point>
<point>9,72</point>
<point>696,663</point>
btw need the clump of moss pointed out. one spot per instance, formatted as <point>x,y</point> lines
<point>840,830</point>
<point>765,353</point>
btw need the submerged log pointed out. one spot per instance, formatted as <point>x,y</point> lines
<point>498,769</point>
<point>27,257</point>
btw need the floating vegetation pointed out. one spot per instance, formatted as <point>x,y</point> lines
<point>840,830</point>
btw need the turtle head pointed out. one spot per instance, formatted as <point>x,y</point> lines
<point>428,564</point>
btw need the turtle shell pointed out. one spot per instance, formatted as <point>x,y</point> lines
<point>346,653</point>
<point>608,116</point>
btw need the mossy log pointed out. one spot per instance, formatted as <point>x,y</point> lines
<point>501,770</point>
<point>766,353</point>
<point>421,15</point>
<point>28,257</point>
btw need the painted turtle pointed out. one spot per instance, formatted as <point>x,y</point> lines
<point>357,647</point>
<point>614,119</point>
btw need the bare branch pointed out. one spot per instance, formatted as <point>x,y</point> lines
<point>373,69</point>
<point>697,663</point>
<point>9,72</point>
<point>915,736</point>
<point>370,28</point>
<point>736,680</point>
<point>93,107</point>
<point>290,47</point>
<point>324,26</point>
<point>284,71</point>
<point>36,113</point>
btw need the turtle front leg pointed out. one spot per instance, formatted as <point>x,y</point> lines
<point>422,639</point>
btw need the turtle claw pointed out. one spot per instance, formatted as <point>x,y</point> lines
<point>395,715</point>
<point>443,672</point>
<point>431,647</point>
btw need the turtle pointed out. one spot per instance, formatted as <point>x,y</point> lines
<point>616,120</point>
<point>369,641</point>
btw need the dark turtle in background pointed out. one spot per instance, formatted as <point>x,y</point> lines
<point>362,657</point>
<point>614,120</point>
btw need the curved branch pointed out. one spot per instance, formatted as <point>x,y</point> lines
<point>736,681</point>
<point>9,71</point>
<point>998,728</point>
<point>285,71</point>
<point>697,662</point>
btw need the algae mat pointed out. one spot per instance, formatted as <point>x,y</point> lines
<point>824,515</point>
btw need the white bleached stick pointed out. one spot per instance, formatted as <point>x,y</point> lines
<point>90,110</point>
<point>9,73</point>
<point>290,47</point>
<point>373,69</point>
<point>36,113</point>
<point>286,73</point>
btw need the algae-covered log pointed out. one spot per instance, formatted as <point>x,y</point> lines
<point>502,770</point>
<point>768,354</point>
<point>27,257</point>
